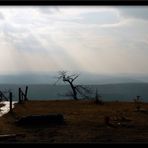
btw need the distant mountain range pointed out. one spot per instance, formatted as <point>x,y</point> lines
<point>84,78</point>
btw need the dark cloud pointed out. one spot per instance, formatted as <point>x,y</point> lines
<point>48,10</point>
<point>29,43</point>
<point>139,12</point>
<point>2,16</point>
<point>104,17</point>
<point>12,34</point>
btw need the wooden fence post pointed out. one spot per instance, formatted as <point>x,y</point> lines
<point>10,97</point>
<point>26,93</point>
<point>20,101</point>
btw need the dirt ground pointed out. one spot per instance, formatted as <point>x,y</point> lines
<point>85,122</point>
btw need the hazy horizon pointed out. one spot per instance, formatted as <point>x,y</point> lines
<point>84,78</point>
<point>105,44</point>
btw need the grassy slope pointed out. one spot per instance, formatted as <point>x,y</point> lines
<point>84,122</point>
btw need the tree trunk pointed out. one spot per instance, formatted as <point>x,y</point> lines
<point>74,91</point>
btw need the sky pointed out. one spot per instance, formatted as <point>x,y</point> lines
<point>100,40</point>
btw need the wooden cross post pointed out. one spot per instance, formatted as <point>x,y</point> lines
<point>20,96</point>
<point>26,93</point>
<point>10,97</point>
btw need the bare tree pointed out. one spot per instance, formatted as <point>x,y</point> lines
<point>75,88</point>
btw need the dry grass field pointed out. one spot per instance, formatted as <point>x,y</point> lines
<point>84,122</point>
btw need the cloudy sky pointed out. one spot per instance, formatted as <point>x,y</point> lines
<point>93,39</point>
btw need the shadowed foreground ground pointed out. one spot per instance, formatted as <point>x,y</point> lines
<point>84,122</point>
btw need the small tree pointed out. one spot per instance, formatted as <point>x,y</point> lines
<point>66,78</point>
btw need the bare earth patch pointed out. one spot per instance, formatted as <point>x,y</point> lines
<point>84,122</point>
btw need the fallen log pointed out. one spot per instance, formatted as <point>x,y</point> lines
<point>54,119</point>
<point>10,136</point>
